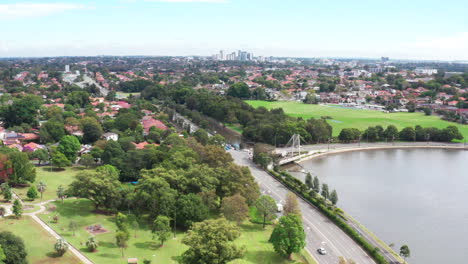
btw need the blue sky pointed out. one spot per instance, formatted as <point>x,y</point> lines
<point>413,29</point>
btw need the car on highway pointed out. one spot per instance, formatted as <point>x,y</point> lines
<point>321,251</point>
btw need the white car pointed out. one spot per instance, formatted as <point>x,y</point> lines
<point>279,207</point>
<point>322,251</point>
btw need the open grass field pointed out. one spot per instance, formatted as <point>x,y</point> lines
<point>53,178</point>
<point>39,244</point>
<point>143,246</point>
<point>361,119</point>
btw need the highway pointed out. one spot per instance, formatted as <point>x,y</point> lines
<point>320,232</point>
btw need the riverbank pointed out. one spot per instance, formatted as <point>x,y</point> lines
<point>320,150</point>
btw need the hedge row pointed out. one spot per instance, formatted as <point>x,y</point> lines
<point>301,189</point>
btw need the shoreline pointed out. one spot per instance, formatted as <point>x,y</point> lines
<point>325,152</point>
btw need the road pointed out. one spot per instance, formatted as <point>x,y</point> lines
<point>320,232</point>
<point>88,80</point>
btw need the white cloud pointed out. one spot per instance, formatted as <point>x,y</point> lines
<point>188,1</point>
<point>21,10</point>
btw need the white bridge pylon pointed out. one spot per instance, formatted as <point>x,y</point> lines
<point>293,147</point>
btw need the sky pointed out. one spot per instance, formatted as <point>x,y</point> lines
<point>399,29</point>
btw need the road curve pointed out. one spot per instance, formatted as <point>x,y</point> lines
<point>320,231</point>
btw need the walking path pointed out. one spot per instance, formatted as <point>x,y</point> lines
<point>44,225</point>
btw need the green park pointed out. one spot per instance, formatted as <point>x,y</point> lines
<point>341,117</point>
<point>76,220</point>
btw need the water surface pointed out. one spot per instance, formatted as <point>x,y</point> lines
<point>417,197</point>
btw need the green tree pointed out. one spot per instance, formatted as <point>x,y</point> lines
<point>212,242</point>
<point>407,134</point>
<point>41,155</point>
<point>2,255</point>
<point>288,236</point>
<point>405,252</point>
<point>61,246</point>
<point>73,226</point>
<point>316,185</point>
<point>291,206</point>
<point>308,180</point>
<point>325,191</point>
<point>202,136</point>
<point>52,131</point>
<point>59,160</point>
<point>7,194</point>
<point>235,208</point>
<point>266,208</point>
<point>41,187</point>
<point>17,208</point>
<point>162,228</point>
<point>22,110</point>
<point>334,197</point>
<point>92,130</point>
<point>87,160</point>
<point>190,209</point>
<point>13,248</point>
<point>32,193</point>
<point>391,133</point>
<point>78,98</point>
<point>61,192</point>
<point>23,170</point>
<point>240,90</point>
<point>69,146</point>
<point>121,221</point>
<point>121,239</point>
<point>92,244</point>
<point>101,187</point>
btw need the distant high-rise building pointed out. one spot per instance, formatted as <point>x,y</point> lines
<point>67,68</point>
<point>221,55</point>
<point>384,59</point>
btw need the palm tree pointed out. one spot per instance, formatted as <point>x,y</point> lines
<point>61,246</point>
<point>41,187</point>
<point>61,192</point>
<point>92,244</point>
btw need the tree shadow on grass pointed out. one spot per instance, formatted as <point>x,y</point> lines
<point>249,227</point>
<point>110,255</point>
<point>177,259</point>
<point>74,208</point>
<point>107,244</point>
<point>264,256</point>
<point>148,245</point>
<point>52,254</point>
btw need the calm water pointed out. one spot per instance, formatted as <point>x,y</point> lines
<point>417,197</point>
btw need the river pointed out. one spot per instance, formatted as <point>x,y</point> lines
<point>417,197</point>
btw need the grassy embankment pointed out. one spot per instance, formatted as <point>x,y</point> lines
<point>361,119</point>
<point>39,244</point>
<point>143,246</point>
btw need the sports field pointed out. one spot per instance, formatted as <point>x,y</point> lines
<point>361,119</point>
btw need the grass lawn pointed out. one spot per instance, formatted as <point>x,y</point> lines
<point>236,128</point>
<point>39,244</point>
<point>361,119</point>
<point>253,237</point>
<point>53,179</point>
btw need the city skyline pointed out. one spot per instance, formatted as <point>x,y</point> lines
<point>424,30</point>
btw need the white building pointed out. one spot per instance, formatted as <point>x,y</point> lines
<point>67,68</point>
<point>424,71</point>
